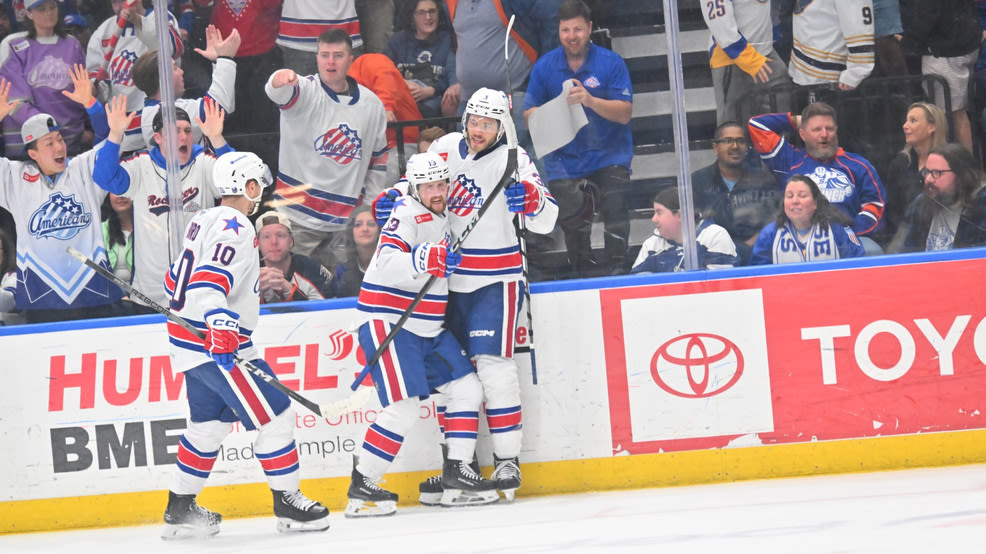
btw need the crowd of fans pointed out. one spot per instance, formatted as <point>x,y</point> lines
<point>781,188</point>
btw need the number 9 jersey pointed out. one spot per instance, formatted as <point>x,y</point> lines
<point>219,267</point>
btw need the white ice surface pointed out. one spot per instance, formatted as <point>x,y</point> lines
<point>921,511</point>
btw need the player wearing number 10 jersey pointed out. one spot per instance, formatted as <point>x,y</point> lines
<point>213,284</point>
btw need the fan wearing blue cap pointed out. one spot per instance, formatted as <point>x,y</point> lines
<point>38,65</point>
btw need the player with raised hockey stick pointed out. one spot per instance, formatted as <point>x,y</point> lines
<point>485,293</point>
<point>213,285</point>
<point>423,356</point>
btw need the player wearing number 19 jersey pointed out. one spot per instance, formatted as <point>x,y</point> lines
<point>213,285</point>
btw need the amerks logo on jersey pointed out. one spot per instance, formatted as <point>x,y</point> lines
<point>341,144</point>
<point>61,217</point>
<point>465,196</point>
<point>835,185</point>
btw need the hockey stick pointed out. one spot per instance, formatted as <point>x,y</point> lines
<point>508,172</point>
<point>121,23</point>
<point>172,316</point>
<point>519,225</point>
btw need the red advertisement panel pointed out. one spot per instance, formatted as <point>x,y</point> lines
<point>849,353</point>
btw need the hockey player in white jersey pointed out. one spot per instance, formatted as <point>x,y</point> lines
<point>423,356</point>
<point>213,285</point>
<point>143,178</point>
<point>486,292</point>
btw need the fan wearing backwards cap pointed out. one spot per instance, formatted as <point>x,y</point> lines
<point>143,178</point>
<point>55,204</point>
<point>284,275</point>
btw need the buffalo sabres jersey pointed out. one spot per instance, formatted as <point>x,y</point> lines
<point>848,180</point>
<point>143,178</point>
<point>302,21</point>
<point>782,245</point>
<point>335,143</point>
<point>218,268</point>
<point>833,42</point>
<point>50,215</point>
<point>391,283</point>
<point>132,42</point>
<point>742,33</point>
<point>491,252</point>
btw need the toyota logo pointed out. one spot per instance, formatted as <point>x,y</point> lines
<point>697,365</point>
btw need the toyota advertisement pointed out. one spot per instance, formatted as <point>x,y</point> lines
<point>778,359</point>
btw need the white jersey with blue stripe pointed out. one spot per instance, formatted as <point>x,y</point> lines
<point>391,283</point>
<point>219,267</point>
<point>50,214</point>
<point>335,143</point>
<point>491,253</point>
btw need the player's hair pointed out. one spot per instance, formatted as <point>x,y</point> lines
<point>668,197</point>
<point>145,74</point>
<point>728,125</point>
<point>405,17</point>
<point>570,9</point>
<point>336,36</point>
<point>936,117</point>
<point>825,212</point>
<point>818,108</point>
<point>430,134</point>
<point>158,122</point>
<point>8,262</point>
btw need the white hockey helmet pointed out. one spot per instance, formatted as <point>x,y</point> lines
<point>425,167</point>
<point>489,103</point>
<point>233,170</point>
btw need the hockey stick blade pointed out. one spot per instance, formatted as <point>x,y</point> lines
<point>351,403</point>
<point>245,364</point>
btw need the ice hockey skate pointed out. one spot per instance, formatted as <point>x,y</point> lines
<point>297,513</point>
<point>366,499</point>
<point>184,519</point>
<point>462,485</point>
<point>506,474</point>
<point>430,491</point>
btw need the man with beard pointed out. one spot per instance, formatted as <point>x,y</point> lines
<point>737,193</point>
<point>423,357</point>
<point>143,179</point>
<point>593,171</point>
<point>848,180</point>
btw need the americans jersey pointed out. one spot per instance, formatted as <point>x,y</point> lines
<point>132,43</point>
<point>833,42</point>
<point>302,21</point>
<point>781,245</point>
<point>390,283</point>
<point>51,214</point>
<point>716,250</point>
<point>143,178</point>
<point>742,33</point>
<point>491,252</point>
<point>848,181</point>
<point>218,268</point>
<point>336,143</point>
